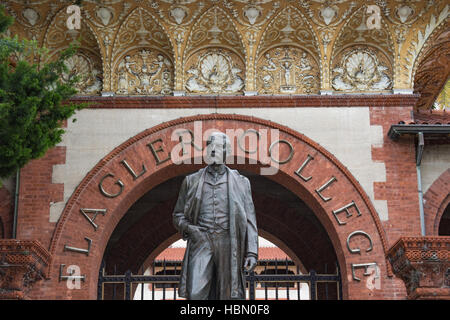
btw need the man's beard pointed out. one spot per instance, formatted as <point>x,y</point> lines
<point>216,159</point>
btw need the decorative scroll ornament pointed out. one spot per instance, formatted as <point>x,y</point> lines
<point>356,31</point>
<point>404,12</point>
<point>215,71</point>
<point>105,15</point>
<point>58,35</point>
<point>422,36</point>
<point>361,70</point>
<point>215,28</point>
<point>178,13</point>
<point>404,17</point>
<point>142,29</point>
<point>90,80</point>
<point>330,13</point>
<point>144,72</point>
<point>287,70</point>
<point>31,15</point>
<point>31,18</point>
<point>252,14</point>
<point>289,27</point>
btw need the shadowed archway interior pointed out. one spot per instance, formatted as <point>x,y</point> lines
<point>280,213</point>
<point>444,224</point>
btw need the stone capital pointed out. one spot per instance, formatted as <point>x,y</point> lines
<point>424,266</point>
<point>22,263</point>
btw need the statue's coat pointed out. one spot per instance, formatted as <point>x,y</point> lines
<point>243,230</point>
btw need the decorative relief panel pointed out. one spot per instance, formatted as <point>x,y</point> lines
<point>247,30</point>
<point>215,71</point>
<point>144,72</point>
<point>289,27</point>
<point>293,70</point>
<point>33,19</point>
<point>86,63</point>
<point>287,70</point>
<point>423,263</point>
<point>415,49</point>
<point>88,68</point>
<point>147,69</point>
<point>433,70</point>
<point>178,12</point>
<point>356,32</point>
<point>106,17</point>
<point>328,14</point>
<point>252,14</point>
<point>214,29</point>
<point>59,36</point>
<point>141,29</point>
<point>362,69</point>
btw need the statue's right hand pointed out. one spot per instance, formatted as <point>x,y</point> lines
<point>195,232</point>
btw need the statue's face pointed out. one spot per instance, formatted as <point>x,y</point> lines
<point>216,149</point>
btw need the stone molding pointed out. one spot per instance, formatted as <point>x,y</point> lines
<point>258,101</point>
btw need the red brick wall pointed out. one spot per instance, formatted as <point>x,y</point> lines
<point>436,200</point>
<point>35,194</point>
<point>6,213</point>
<point>37,191</point>
<point>400,188</point>
<point>73,227</point>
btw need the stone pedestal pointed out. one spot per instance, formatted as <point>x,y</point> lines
<point>423,263</point>
<point>22,263</point>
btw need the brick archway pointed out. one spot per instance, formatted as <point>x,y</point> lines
<point>322,182</point>
<point>147,228</point>
<point>436,199</point>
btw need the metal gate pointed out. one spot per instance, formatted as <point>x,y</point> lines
<point>278,283</point>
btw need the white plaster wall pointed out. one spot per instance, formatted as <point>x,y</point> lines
<point>435,160</point>
<point>345,132</point>
<point>9,184</point>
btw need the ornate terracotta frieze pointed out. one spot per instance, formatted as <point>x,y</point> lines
<point>423,264</point>
<point>22,263</point>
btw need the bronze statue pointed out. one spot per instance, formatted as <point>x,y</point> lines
<point>215,213</point>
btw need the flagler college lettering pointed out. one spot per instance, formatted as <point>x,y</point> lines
<point>111,186</point>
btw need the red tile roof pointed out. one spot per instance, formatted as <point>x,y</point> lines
<point>265,253</point>
<point>432,117</point>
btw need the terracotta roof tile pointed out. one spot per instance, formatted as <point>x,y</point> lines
<point>432,117</point>
<point>265,253</point>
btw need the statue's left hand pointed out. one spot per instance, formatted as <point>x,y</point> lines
<point>250,263</point>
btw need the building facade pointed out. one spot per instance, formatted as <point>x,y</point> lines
<point>329,105</point>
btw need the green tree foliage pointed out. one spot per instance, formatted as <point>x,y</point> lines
<point>32,100</point>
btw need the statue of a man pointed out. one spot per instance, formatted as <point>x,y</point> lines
<point>215,213</point>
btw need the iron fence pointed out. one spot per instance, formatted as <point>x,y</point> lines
<point>270,284</point>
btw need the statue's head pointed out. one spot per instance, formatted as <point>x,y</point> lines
<point>218,148</point>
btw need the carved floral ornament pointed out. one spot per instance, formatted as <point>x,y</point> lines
<point>250,28</point>
<point>214,71</point>
<point>361,69</point>
<point>144,72</point>
<point>213,29</point>
<point>89,73</point>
